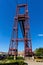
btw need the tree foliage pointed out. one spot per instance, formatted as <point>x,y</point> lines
<point>39,52</point>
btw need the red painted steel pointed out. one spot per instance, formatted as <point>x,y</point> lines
<point>13,48</point>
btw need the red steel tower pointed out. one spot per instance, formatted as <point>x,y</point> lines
<point>23,20</point>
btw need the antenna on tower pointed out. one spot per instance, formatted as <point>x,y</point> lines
<point>26,1</point>
<point>17,2</point>
<point>23,20</point>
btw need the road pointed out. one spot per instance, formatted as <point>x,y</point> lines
<point>30,62</point>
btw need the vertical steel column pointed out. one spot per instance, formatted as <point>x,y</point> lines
<point>24,18</point>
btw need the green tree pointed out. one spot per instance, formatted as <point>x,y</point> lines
<point>39,52</point>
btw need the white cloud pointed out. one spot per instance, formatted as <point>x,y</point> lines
<point>40,34</point>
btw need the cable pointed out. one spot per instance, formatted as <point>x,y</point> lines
<point>22,1</point>
<point>26,1</point>
<point>17,2</point>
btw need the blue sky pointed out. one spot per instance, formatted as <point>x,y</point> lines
<point>7,13</point>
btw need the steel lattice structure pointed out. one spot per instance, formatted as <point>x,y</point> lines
<point>23,20</point>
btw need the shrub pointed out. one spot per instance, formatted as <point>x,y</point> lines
<point>16,62</point>
<point>20,58</point>
<point>10,57</point>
